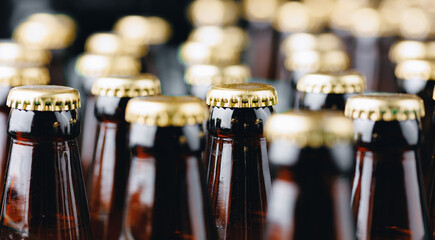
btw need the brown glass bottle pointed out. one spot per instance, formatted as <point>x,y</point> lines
<point>44,196</point>
<point>166,196</point>
<point>387,193</point>
<point>311,176</point>
<point>108,174</point>
<point>89,68</point>
<point>323,91</point>
<point>236,157</point>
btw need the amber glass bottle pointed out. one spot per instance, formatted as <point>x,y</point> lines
<point>44,194</point>
<point>387,192</point>
<point>108,174</point>
<point>202,77</point>
<point>236,158</point>
<point>329,91</point>
<point>417,77</point>
<point>166,196</point>
<point>311,156</point>
<point>91,67</point>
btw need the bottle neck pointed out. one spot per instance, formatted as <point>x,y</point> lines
<point>52,126</point>
<point>321,101</point>
<point>111,109</point>
<point>238,122</point>
<point>199,91</point>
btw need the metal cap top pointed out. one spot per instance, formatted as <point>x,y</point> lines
<point>332,83</point>
<point>20,76</point>
<point>140,30</point>
<point>385,107</point>
<point>165,111</point>
<point>232,36</point>
<point>242,95</point>
<point>297,17</point>
<point>113,45</point>
<point>211,74</point>
<point>406,50</point>
<point>416,70</point>
<point>139,86</point>
<point>369,22</point>
<point>306,41</point>
<point>192,53</point>
<point>261,11</point>
<point>214,12</point>
<point>315,61</point>
<point>310,128</point>
<point>43,98</point>
<point>12,53</point>
<point>91,65</point>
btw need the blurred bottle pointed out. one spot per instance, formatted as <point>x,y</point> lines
<point>201,77</point>
<point>109,170</point>
<point>387,194</point>
<point>236,156</point>
<point>166,196</point>
<point>44,196</point>
<point>53,32</point>
<point>311,155</point>
<point>90,67</point>
<point>407,50</point>
<point>417,77</point>
<point>328,91</point>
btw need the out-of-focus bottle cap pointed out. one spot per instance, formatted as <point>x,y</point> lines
<point>340,17</point>
<point>415,70</point>
<point>242,95</point>
<point>113,45</point>
<point>213,12</point>
<point>332,83</point>
<point>261,11</point>
<point>415,23</point>
<point>192,53</point>
<point>385,107</point>
<point>369,23</point>
<point>140,30</point>
<point>406,50</point>
<point>217,36</point>
<point>211,74</point>
<point>310,129</point>
<point>139,86</point>
<point>166,111</point>
<point>296,17</point>
<point>19,76</point>
<point>16,54</point>
<point>46,31</point>
<point>305,41</point>
<point>43,98</point>
<point>315,61</point>
<point>92,65</point>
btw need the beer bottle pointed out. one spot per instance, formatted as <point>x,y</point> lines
<point>330,91</point>
<point>18,55</point>
<point>166,196</point>
<point>44,194</point>
<point>387,192</point>
<point>407,50</point>
<point>52,32</point>
<point>416,77</point>
<point>311,156</point>
<point>91,67</point>
<point>109,170</point>
<point>201,77</point>
<point>236,156</point>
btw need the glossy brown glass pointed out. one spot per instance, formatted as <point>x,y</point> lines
<point>387,192</point>
<point>108,173</point>
<point>321,101</point>
<point>4,139</point>
<point>238,171</point>
<point>44,194</point>
<point>310,192</point>
<point>166,196</point>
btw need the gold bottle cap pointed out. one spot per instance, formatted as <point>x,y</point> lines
<point>385,107</point>
<point>192,53</point>
<point>368,23</point>
<point>92,65</point>
<point>19,76</point>
<point>214,12</point>
<point>112,44</point>
<point>296,17</point>
<point>336,83</point>
<point>213,36</point>
<point>261,11</point>
<point>315,61</point>
<point>139,86</point>
<point>242,95</point>
<point>415,70</point>
<point>340,17</point>
<point>304,41</point>
<point>46,31</point>
<point>140,30</point>
<point>165,111</point>
<point>310,129</point>
<point>42,98</point>
<point>416,23</point>
<point>430,50</point>
<point>406,50</point>
<point>16,54</point>
<point>211,74</point>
